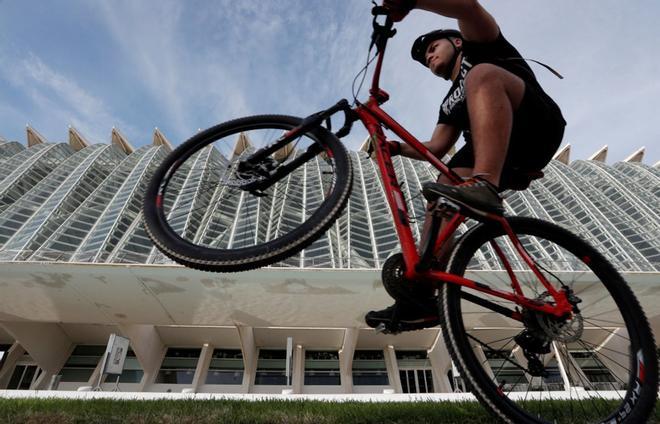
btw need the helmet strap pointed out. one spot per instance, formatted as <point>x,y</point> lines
<point>454,58</point>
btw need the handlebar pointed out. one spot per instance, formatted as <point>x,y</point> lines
<point>317,119</point>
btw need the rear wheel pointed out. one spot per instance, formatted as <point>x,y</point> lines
<point>202,210</point>
<point>602,360</point>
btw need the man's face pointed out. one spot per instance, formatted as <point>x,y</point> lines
<point>438,56</point>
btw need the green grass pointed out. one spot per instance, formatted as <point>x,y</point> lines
<point>59,411</point>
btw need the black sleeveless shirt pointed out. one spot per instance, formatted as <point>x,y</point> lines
<point>453,110</point>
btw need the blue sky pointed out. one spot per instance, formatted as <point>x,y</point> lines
<point>185,65</point>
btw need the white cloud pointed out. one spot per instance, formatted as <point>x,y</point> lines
<point>59,99</point>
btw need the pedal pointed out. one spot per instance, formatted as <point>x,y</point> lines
<point>384,329</point>
<point>445,208</point>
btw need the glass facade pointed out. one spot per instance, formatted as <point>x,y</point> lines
<point>271,367</point>
<point>322,368</point>
<point>57,204</point>
<point>132,372</point>
<point>178,366</point>
<point>369,368</point>
<point>226,367</point>
<point>81,364</point>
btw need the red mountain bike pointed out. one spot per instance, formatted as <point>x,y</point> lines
<point>549,299</point>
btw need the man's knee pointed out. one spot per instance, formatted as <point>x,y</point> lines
<point>491,77</point>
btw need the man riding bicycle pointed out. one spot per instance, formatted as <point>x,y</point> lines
<point>511,127</point>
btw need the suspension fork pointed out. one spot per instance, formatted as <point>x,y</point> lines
<point>562,305</point>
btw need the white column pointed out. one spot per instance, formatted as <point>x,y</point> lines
<point>148,347</point>
<point>46,343</point>
<point>481,357</point>
<point>616,354</point>
<point>440,364</point>
<point>520,358</point>
<point>570,371</point>
<point>15,352</point>
<point>202,366</point>
<point>94,378</point>
<point>298,371</point>
<point>393,369</point>
<point>346,354</point>
<point>249,350</point>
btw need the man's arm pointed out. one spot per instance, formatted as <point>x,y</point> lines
<point>475,23</point>
<point>444,136</point>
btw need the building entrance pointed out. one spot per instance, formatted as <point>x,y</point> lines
<point>24,376</point>
<point>416,380</point>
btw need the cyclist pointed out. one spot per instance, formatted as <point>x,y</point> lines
<point>511,127</point>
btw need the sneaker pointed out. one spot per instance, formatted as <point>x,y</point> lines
<point>476,196</point>
<point>402,317</point>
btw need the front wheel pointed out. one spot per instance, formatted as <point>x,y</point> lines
<point>598,366</point>
<point>202,209</point>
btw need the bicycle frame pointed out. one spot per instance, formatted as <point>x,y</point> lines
<point>374,118</point>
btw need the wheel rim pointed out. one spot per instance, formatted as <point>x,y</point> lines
<point>204,206</point>
<point>592,364</point>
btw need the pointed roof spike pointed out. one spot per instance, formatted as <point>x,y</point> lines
<point>33,137</point>
<point>76,140</point>
<point>365,144</point>
<point>637,156</point>
<point>563,155</point>
<point>161,140</point>
<point>600,155</point>
<point>118,139</point>
<point>283,153</point>
<point>242,144</point>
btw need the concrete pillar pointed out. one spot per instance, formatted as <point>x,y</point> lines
<point>15,352</point>
<point>616,354</point>
<point>148,347</point>
<point>94,378</point>
<point>298,369</point>
<point>571,372</point>
<point>346,354</point>
<point>519,357</point>
<point>481,356</point>
<point>46,343</point>
<point>249,350</point>
<point>393,369</point>
<point>440,364</point>
<point>202,366</point>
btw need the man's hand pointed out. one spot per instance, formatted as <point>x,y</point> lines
<point>394,148</point>
<point>399,8</point>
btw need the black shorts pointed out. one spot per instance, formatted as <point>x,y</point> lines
<point>538,128</point>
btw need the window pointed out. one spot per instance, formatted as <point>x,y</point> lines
<point>226,367</point>
<point>415,371</point>
<point>412,358</point>
<point>322,368</point>
<point>4,351</point>
<point>81,364</point>
<point>506,370</point>
<point>178,366</point>
<point>271,367</point>
<point>369,368</point>
<point>132,372</point>
<point>595,371</point>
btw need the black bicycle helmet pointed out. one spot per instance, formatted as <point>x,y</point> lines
<point>418,51</point>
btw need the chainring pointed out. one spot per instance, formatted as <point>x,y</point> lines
<point>397,286</point>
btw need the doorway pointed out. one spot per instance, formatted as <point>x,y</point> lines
<point>416,380</point>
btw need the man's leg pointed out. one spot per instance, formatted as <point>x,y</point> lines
<point>442,179</point>
<point>493,95</point>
